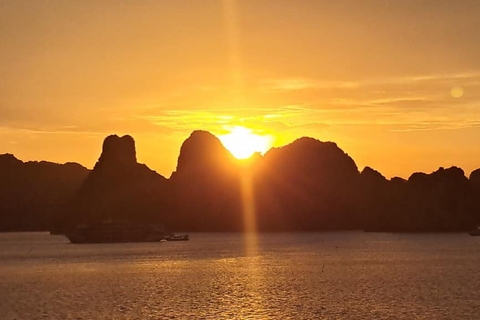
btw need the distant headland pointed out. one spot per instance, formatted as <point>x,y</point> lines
<point>307,185</point>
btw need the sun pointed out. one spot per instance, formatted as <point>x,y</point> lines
<point>242,142</point>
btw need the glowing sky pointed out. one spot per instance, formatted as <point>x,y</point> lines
<point>395,83</point>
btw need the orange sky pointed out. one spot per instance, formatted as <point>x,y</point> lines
<point>395,83</point>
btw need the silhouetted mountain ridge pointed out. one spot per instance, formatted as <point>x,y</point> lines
<point>33,193</point>
<point>306,185</point>
<point>441,201</point>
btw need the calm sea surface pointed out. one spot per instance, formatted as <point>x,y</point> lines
<point>345,275</point>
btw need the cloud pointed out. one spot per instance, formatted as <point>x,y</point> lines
<point>293,84</point>
<point>418,102</point>
<point>98,127</point>
<point>266,120</point>
<point>285,84</point>
<point>435,125</point>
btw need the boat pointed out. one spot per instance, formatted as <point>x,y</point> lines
<point>177,237</point>
<point>475,232</point>
<point>114,232</point>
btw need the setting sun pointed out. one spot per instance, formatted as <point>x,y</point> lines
<point>242,142</point>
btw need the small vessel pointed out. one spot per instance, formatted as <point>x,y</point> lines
<point>177,237</point>
<point>114,232</point>
<point>475,232</point>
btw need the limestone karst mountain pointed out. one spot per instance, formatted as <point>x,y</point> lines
<point>119,188</point>
<point>304,186</point>
<point>307,185</point>
<point>475,185</point>
<point>441,201</point>
<point>206,185</point>
<point>33,193</point>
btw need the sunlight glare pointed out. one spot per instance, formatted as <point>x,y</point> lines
<point>457,92</point>
<point>242,142</point>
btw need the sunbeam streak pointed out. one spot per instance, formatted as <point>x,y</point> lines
<point>248,200</point>
<point>230,15</point>
<point>254,258</point>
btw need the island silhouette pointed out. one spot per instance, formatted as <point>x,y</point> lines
<point>308,185</point>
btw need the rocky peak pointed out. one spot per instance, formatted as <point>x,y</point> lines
<point>313,155</point>
<point>372,175</point>
<point>475,178</point>
<point>118,150</point>
<point>202,151</point>
<point>8,159</point>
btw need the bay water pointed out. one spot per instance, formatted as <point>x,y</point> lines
<point>338,275</point>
